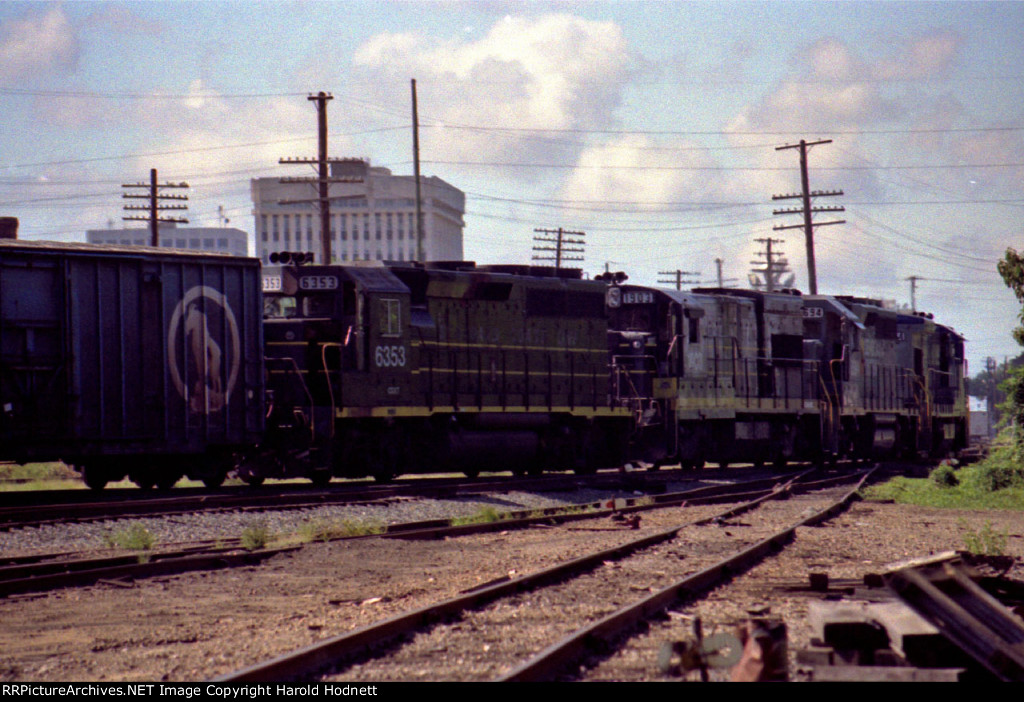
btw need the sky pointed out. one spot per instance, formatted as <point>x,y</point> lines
<point>652,127</point>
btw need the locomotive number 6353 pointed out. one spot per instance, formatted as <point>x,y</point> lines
<point>389,356</point>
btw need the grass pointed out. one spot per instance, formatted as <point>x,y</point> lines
<point>485,515</point>
<point>134,537</point>
<point>256,536</point>
<point>327,530</point>
<point>38,476</point>
<point>986,541</point>
<point>994,483</point>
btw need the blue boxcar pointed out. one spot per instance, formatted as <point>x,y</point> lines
<point>129,361</point>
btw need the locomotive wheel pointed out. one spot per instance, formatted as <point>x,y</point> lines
<point>472,472</point>
<point>166,481</point>
<point>144,482</point>
<point>253,480</point>
<point>94,477</point>
<point>214,480</point>
<point>320,477</point>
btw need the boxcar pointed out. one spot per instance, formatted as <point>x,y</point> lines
<point>129,361</point>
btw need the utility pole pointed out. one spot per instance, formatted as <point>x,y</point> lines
<point>807,210</point>
<point>718,264</point>
<point>913,291</point>
<point>154,205</point>
<point>775,266</point>
<point>323,179</point>
<point>416,172</point>
<point>678,275</point>
<point>562,245</point>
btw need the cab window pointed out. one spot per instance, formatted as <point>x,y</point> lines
<point>318,306</point>
<point>279,307</point>
<point>390,317</point>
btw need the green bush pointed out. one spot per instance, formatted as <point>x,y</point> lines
<point>1001,470</point>
<point>944,476</point>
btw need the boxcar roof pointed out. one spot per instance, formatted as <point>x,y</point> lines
<point>121,249</point>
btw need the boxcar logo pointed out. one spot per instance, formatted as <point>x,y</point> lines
<point>203,372</point>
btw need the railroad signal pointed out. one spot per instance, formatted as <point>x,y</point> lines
<point>296,258</point>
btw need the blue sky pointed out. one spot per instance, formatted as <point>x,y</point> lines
<point>651,126</point>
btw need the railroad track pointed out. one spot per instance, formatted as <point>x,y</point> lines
<point>525,627</point>
<point>51,571</point>
<point>20,510</point>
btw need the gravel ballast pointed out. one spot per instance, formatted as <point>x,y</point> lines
<point>198,625</point>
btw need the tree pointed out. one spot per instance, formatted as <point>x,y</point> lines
<point>1011,268</point>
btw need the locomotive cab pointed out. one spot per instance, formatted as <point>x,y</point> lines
<point>337,345</point>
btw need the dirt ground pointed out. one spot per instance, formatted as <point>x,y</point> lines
<point>199,625</point>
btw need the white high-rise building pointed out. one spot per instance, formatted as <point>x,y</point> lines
<point>374,219</point>
<point>218,239</point>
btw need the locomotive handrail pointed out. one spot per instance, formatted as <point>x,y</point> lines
<point>620,370</point>
<point>305,388</point>
<point>327,377</point>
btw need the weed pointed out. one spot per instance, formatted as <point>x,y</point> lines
<point>133,537</point>
<point>944,476</point>
<point>484,515</point>
<point>1002,469</point>
<point>986,541</point>
<point>323,530</point>
<point>256,535</point>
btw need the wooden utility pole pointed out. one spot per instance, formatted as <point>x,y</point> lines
<point>775,265</point>
<point>323,179</point>
<point>677,278</point>
<point>416,172</point>
<point>913,291</point>
<point>154,205</point>
<point>806,195</point>
<point>562,245</point>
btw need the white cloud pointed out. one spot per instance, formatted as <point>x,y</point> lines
<point>631,169</point>
<point>924,56</point>
<point>553,72</point>
<point>37,43</point>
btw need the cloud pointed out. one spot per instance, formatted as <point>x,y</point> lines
<point>830,90</point>
<point>123,20</point>
<point>37,44</point>
<point>632,169</point>
<point>552,72</point>
<point>926,56</point>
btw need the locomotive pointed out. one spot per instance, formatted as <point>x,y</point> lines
<point>376,369</point>
<point>155,363</point>
<point>732,375</point>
